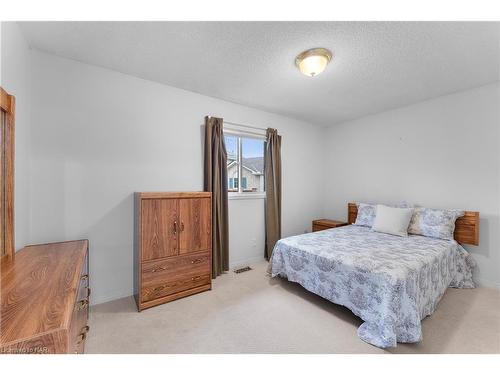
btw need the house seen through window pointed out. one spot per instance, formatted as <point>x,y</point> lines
<point>245,164</point>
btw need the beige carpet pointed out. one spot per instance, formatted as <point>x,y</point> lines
<point>251,313</point>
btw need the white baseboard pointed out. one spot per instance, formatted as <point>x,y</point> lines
<point>487,283</point>
<point>110,297</point>
<point>246,262</point>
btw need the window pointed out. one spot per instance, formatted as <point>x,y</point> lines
<point>245,164</point>
<point>6,174</point>
<point>233,184</point>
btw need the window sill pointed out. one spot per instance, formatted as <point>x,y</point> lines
<point>237,196</point>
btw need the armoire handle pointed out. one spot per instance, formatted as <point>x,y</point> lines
<point>175,226</point>
<point>182,226</point>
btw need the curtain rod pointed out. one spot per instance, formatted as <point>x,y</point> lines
<point>243,125</point>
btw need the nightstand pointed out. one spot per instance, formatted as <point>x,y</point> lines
<point>322,224</point>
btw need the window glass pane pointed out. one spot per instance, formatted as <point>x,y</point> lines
<point>252,159</point>
<point>232,162</point>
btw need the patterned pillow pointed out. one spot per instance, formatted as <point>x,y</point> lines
<point>367,212</point>
<point>434,223</point>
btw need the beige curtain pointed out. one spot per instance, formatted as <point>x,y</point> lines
<point>215,177</point>
<point>272,170</point>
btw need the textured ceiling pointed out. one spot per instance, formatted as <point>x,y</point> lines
<point>376,65</point>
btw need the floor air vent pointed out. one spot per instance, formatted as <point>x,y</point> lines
<point>244,269</point>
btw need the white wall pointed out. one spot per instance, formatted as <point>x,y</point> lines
<point>441,153</point>
<point>15,79</point>
<point>247,231</point>
<point>98,136</point>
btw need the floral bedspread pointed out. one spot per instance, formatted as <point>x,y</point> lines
<point>390,282</point>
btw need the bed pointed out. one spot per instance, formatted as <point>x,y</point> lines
<point>390,282</point>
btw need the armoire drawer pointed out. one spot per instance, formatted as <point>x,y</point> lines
<point>170,269</point>
<point>175,285</point>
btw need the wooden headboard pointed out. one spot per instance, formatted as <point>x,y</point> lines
<point>466,227</point>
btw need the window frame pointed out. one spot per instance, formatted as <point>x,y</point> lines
<point>7,143</point>
<point>239,134</point>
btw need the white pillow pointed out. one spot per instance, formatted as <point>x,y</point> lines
<point>367,211</point>
<point>392,220</point>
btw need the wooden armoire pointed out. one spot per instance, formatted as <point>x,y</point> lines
<point>173,246</point>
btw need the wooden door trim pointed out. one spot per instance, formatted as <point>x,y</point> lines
<point>8,105</point>
<point>7,102</point>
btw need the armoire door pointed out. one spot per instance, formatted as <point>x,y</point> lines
<point>195,222</point>
<point>159,228</point>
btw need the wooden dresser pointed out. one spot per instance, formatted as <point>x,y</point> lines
<point>45,298</point>
<point>173,246</point>
<point>322,224</point>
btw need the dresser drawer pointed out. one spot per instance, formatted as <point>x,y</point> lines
<point>179,284</point>
<point>79,328</point>
<point>317,227</point>
<point>323,224</point>
<point>84,285</point>
<point>166,270</point>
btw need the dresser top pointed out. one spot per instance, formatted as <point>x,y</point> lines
<point>38,289</point>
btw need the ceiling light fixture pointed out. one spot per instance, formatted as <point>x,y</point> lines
<point>313,61</point>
